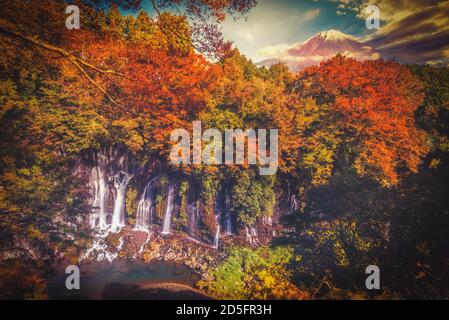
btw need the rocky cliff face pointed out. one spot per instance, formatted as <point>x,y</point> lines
<point>145,198</point>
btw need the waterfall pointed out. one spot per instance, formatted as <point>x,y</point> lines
<point>292,201</point>
<point>228,217</point>
<point>121,183</point>
<point>217,235</point>
<point>113,169</point>
<point>100,248</point>
<point>98,181</point>
<point>192,212</point>
<point>123,170</point>
<point>267,221</point>
<point>251,235</point>
<point>142,246</point>
<point>168,211</point>
<point>143,216</point>
<point>294,204</point>
<point>217,222</point>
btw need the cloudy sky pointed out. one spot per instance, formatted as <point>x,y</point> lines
<point>412,31</point>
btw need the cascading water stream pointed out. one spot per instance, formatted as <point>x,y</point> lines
<point>251,235</point>
<point>293,204</point>
<point>218,213</point>
<point>217,237</point>
<point>113,169</point>
<point>101,249</point>
<point>267,220</point>
<point>142,246</point>
<point>192,213</point>
<point>228,217</point>
<point>168,211</point>
<point>292,200</point>
<point>121,182</point>
<point>144,207</point>
<point>99,182</point>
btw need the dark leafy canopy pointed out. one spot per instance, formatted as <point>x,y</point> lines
<point>433,115</point>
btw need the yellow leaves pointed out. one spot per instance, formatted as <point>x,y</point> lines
<point>308,112</point>
<point>130,200</point>
<point>372,112</point>
<point>253,274</point>
<point>318,155</point>
<point>135,142</point>
<point>266,278</point>
<point>174,33</point>
<point>221,119</point>
<point>8,96</point>
<point>24,172</point>
<point>423,248</point>
<point>420,275</point>
<point>343,237</point>
<point>128,133</point>
<point>269,281</point>
<point>75,128</point>
<point>34,232</point>
<point>435,163</point>
<point>126,124</point>
<point>340,254</point>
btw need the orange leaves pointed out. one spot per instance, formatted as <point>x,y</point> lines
<point>374,103</point>
<point>158,83</point>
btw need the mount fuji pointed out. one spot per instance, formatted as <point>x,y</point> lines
<point>322,46</point>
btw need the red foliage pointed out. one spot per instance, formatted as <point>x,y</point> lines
<point>374,103</point>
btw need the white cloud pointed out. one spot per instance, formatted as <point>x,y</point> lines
<point>274,51</point>
<point>438,63</point>
<point>412,31</point>
<point>270,22</point>
<point>246,34</point>
<point>311,14</point>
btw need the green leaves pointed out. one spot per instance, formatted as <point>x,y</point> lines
<point>252,196</point>
<point>253,274</point>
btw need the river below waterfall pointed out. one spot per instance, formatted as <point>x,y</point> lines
<point>128,280</point>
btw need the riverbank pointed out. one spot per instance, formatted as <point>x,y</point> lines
<point>131,245</point>
<point>128,280</point>
<point>154,291</point>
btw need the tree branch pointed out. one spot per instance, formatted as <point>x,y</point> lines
<point>80,68</point>
<point>181,37</point>
<point>77,62</point>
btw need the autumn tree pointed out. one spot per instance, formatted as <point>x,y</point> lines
<point>370,109</point>
<point>119,79</point>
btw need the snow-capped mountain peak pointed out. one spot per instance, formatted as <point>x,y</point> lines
<point>332,34</point>
<point>322,46</point>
